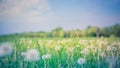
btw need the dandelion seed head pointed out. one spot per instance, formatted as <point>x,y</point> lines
<point>101,43</point>
<point>48,56</point>
<point>32,55</point>
<point>85,51</point>
<point>43,57</point>
<point>23,54</point>
<point>81,61</point>
<point>57,48</point>
<point>103,54</point>
<point>6,49</point>
<point>111,59</point>
<point>84,42</point>
<point>70,49</point>
<point>109,48</point>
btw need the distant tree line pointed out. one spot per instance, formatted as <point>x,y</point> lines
<point>90,31</point>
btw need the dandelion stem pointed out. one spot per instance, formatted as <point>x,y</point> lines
<point>45,65</point>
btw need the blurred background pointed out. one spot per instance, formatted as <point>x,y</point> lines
<point>60,18</point>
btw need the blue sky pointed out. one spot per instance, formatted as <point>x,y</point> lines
<point>18,16</point>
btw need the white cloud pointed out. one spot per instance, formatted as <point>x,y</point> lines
<point>26,10</point>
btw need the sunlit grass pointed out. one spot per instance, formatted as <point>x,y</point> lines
<point>62,53</point>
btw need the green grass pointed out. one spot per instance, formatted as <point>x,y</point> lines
<point>62,58</point>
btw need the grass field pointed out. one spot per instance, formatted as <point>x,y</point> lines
<point>60,52</point>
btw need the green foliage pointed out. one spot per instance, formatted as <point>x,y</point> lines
<point>90,31</point>
<point>66,57</point>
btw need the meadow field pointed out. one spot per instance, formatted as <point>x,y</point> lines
<point>27,52</point>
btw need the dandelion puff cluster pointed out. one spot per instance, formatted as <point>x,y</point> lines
<point>6,49</point>
<point>46,56</point>
<point>31,55</point>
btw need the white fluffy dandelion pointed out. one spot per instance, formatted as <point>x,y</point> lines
<point>109,48</point>
<point>23,54</point>
<point>84,42</point>
<point>5,49</point>
<point>81,61</point>
<point>43,57</point>
<point>70,49</point>
<point>57,48</point>
<point>112,61</point>
<point>46,56</point>
<point>103,54</point>
<point>32,55</point>
<point>85,52</point>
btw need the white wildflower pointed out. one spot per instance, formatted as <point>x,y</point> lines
<point>101,43</point>
<point>48,56</point>
<point>85,51</point>
<point>112,61</point>
<point>5,49</point>
<point>91,41</point>
<point>43,57</point>
<point>103,54</point>
<point>81,61</point>
<point>57,48</point>
<point>70,49</point>
<point>32,55</point>
<point>23,54</point>
<point>109,48</point>
<point>95,49</point>
<point>84,42</point>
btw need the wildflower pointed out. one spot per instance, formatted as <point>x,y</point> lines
<point>114,48</point>
<point>81,61</point>
<point>57,48</point>
<point>32,55</point>
<point>112,61</point>
<point>101,43</point>
<point>91,41</point>
<point>103,54</point>
<point>84,42</point>
<point>43,57</point>
<point>48,56</point>
<point>23,54</point>
<point>95,49</point>
<point>85,51</point>
<point>109,48</point>
<point>70,49</point>
<point>5,49</point>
